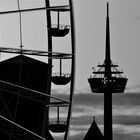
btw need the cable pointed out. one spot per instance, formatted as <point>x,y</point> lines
<point>21,127</point>
<point>20,71</point>
<point>20,22</point>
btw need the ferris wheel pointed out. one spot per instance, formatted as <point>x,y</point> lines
<point>26,98</point>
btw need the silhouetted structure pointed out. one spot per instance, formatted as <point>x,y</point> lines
<point>58,30</point>
<point>57,126</point>
<point>107,80</point>
<point>25,72</point>
<point>61,78</point>
<point>94,133</point>
<point>25,82</point>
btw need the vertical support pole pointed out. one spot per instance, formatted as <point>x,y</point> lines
<point>45,132</point>
<point>72,66</point>
<point>58,114</point>
<point>58,20</point>
<point>60,67</point>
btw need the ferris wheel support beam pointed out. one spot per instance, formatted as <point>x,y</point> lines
<point>72,67</point>
<point>53,8</point>
<point>46,111</point>
<point>19,128</point>
<point>45,133</point>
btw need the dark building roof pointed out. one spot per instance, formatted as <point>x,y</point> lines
<point>94,133</point>
<point>27,72</point>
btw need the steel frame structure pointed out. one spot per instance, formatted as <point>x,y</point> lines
<point>21,133</point>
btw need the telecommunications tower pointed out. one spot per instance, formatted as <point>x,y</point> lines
<point>108,79</point>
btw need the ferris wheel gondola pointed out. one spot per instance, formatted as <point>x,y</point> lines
<point>59,30</point>
<point>57,126</point>
<point>61,78</point>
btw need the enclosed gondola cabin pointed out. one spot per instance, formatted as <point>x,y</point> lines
<point>57,126</point>
<point>61,78</point>
<point>26,72</point>
<point>59,30</point>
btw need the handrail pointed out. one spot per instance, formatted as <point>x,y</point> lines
<point>61,26</point>
<point>62,74</point>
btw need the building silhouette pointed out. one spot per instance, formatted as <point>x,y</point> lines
<point>94,132</point>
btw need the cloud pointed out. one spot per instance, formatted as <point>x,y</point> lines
<point>126,99</point>
<point>126,110</point>
<point>88,99</point>
<point>126,120</point>
<point>83,110</point>
<point>132,130</point>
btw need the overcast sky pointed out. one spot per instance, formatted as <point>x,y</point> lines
<point>90,18</point>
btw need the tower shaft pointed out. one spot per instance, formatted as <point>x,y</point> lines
<point>108,132</point>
